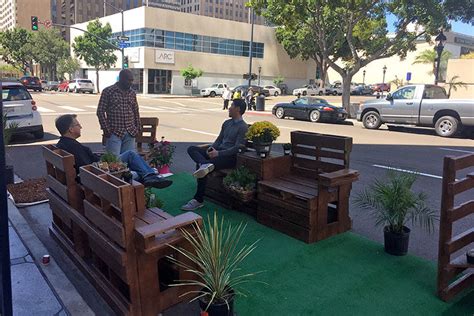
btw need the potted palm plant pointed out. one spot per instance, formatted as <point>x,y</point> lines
<point>215,259</point>
<point>393,204</point>
<point>262,134</point>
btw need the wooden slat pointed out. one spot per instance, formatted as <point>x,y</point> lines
<point>160,213</point>
<point>461,262</point>
<point>149,217</point>
<point>460,241</point>
<point>462,185</point>
<point>339,177</point>
<point>59,158</point>
<point>321,140</point>
<point>317,151</point>
<point>108,225</point>
<point>463,162</point>
<point>170,224</point>
<point>57,187</point>
<point>461,211</point>
<point>101,186</point>
<point>301,180</point>
<point>60,208</point>
<point>315,164</point>
<point>294,187</point>
<point>103,253</point>
<point>461,284</point>
<point>274,186</point>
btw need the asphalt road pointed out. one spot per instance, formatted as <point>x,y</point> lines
<point>197,120</point>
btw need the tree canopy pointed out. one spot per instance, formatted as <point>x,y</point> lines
<point>15,48</point>
<point>48,47</point>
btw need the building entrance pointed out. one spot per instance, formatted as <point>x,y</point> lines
<point>159,81</point>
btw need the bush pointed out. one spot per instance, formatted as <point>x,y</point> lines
<point>262,132</point>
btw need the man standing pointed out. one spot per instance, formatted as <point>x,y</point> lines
<point>221,155</point>
<point>70,129</point>
<point>227,96</point>
<point>118,115</point>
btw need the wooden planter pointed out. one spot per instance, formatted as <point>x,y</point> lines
<point>244,196</point>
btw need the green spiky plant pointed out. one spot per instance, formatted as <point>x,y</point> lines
<point>393,203</point>
<point>215,260</point>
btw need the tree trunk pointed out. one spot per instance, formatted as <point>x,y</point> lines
<point>346,92</point>
<point>97,79</point>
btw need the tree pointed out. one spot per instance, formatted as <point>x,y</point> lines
<point>68,65</point>
<point>454,84</point>
<point>189,73</point>
<point>48,47</point>
<point>278,80</point>
<point>430,56</point>
<point>355,32</point>
<point>397,81</point>
<point>460,10</point>
<point>96,53</point>
<point>15,49</point>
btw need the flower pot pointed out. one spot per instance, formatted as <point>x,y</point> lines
<point>244,196</point>
<point>164,169</point>
<point>396,243</point>
<point>218,309</point>
<point>9,176</point>
<point>262,148</point>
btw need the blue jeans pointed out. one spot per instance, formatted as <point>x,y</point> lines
<point>117,145</point>
<point>136,163</point>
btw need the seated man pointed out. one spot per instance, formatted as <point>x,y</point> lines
<point>70,129</point>
<point>221,155</point>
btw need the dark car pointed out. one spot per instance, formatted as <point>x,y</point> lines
<point>33,83</point>
<point>379,87</point>
<point>283,87</point>
<point>310,108</point>
<point>362,90</point>
<point>256,89</point>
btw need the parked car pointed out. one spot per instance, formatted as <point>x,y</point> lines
<point>420,105</point>
<point>30,82</point>
<point>334,89</point>
<point>275,91</point>
<point>43,84</point>
<point>284,88</point>
<point>81,85</point>
<point>52,86</point>
<point>20,108</point>
<point>256,89</point>
<point>362,90</point>
<point>63,86</point>
<point>312,109</point>
<point>309,89</point>
<point>213,90</point>
<point>379,87</point>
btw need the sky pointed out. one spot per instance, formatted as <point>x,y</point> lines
<point>457,27</point>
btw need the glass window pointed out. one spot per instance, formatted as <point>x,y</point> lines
<point>15,93</point>
<point>301,101</point>
<point>404,93</point>
<point>434,92</point>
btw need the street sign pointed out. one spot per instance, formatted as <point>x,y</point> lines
<point>124,44</point>
<point>123,38</point>
<point>48,23</point>
<point>408,76</point>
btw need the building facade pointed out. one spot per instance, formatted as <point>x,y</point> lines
<point>162,42</point>
<point>17,13</point>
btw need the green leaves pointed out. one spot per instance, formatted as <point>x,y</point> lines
<point>68,65</point>
<point>15,48</point>
<point>393,203</point>
<point>190,73</point>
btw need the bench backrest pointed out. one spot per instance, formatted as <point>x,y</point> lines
<point>315,153</point>
<point>147,133</point>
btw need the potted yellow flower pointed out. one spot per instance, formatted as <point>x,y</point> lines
<point>262,134</point>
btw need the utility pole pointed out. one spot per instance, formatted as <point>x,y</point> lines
<point>251,46</point>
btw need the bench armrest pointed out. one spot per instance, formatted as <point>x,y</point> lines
<point>336,178</point>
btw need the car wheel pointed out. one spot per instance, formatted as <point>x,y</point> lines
<point>371,120</point>
<point>314,116</point>
<point>320,93</point>
<point>212,94</point>
<point>280,113</point>
<point>39,134</point>
<point>446,126</point>
<point>276,93</point>
<point>304,93</point>
<point>75,90</point>
<point>334,93</point>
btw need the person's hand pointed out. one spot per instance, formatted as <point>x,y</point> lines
<point>104,138</point>
<point>212,153</point>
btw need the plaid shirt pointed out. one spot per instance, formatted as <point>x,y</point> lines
<point>118,111</point>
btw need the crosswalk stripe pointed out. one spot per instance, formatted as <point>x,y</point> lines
<point>44,110</point>
<point>91,106</point>
<point>71,108</point>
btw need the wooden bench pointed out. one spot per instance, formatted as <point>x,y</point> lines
<point>455,274</point>
<point>147,136</point>
<point>124,244</point>
<point>309,200</point>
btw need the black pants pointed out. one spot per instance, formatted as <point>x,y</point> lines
<point>199,156</point>
<point>226,104</point>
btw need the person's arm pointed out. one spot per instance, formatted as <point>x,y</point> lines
<point>102,113</point>
<point>219,138</point>
<point>239,140</point>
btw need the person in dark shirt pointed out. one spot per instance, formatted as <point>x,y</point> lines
<point>70,129</point>
<point>221,155</point>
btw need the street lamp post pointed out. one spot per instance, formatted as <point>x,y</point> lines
<point>123,32</point>
<point>259,71</point>
<point>363,76</point>
<point>440,40</point>
<point>384,69</point>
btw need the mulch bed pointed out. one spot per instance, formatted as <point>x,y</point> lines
<point>29,191</point>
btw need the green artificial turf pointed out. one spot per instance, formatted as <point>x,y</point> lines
<point>343,275</point>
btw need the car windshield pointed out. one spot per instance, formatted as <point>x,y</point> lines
<point>214,85</point>
<point>317,100</point>
<point>15,93</point>
<point>85,81</point>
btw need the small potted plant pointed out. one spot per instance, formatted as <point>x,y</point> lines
<point>393,204</point>
<point>112,164</point>
<point>262,134</point>
<point>215,259</point>
<point>241,184</point>
<point>161,155</point>
<point>151,200</point>
<point>287,148</point>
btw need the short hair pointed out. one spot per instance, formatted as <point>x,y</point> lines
<point>64,122</point>
<point>241,104</point>
<point>125,74</point>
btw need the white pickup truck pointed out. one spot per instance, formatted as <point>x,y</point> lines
<point>310,89</point>
<point>215,89</point>
<point>420,105</point>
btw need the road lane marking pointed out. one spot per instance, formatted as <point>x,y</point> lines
<point>44,110</point>
<point>71,108</point>
<point>458,150</point>
<point>199,132</point>
<point>408,171</point>
<point>91,106</point>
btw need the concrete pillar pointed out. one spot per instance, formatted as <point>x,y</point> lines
<point>145,81</point>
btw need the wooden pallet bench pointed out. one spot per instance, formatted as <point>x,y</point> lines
<point>455,274</point>
<point>124,244</point>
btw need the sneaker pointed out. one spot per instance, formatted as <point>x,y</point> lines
<point>192,205</point>
<point>154,181</point>
<point>204,170</point>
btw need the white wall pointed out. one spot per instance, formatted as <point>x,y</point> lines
<point>106,78</point>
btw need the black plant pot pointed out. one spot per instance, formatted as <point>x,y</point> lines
<point>218,309</point>
<point>262,148</point>
<point>396,243</point>
<point>9,176</point>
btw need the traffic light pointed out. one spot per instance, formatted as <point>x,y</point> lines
<point>34,23</point>
<point>125,62</point>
